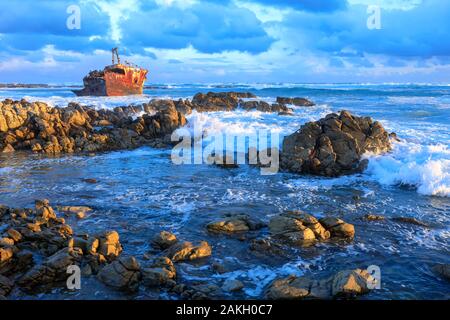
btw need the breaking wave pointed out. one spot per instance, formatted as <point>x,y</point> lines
<point>424,167</point>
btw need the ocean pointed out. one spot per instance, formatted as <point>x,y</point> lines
<point>141,192</point>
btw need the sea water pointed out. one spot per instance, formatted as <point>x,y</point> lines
<point>141,192</point>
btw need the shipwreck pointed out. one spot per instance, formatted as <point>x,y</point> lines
<point>117,79</point>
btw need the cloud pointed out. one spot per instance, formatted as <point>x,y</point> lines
<point>308,5</point>
<point>235,40</point>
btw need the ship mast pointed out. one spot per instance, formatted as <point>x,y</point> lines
<point>115,51</point>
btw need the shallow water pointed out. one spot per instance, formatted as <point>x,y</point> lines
<point>141,192</point>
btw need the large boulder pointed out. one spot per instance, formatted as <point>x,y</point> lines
<point>338,228</point>
<point>303,229</point>
<point>333,145</point>
<point>122,274</point>
<point>109,245</point>
<point>187,251</point>
<point>160,271</point>
<point>52,270</point>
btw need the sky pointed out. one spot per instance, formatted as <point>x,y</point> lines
<point>216,41</point>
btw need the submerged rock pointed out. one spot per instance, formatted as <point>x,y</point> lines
<point>374,217</point>
<point>410,220</point>
<point>232,285</point>
<point>334,145</point>
<point>443,270</point>
<point>347,283</point>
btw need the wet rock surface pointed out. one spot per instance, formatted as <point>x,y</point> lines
<point>347,283</point>
<point>334,145</point>
<point>122,274</point>
<point>442,270</point>
<point>302,229</point>
<point>235,223</point>
<point>300,102</point>
<point>188,251</point>
<point>41,128</point>
<point>222,101</point>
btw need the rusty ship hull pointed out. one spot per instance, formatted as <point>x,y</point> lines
<point>114,80</point>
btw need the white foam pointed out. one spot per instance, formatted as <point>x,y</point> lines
<point>425,167</point>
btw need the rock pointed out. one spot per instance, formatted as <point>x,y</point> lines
<point>74,209</point>
<point>80,215</point>
<point>303,229</point>
<point>8,149</point>
<point>164,240</point>
<point>44,211</point>
<point>160,272</point>
<point>288,289</point>
<point>338,228</point>
<point>228,226</point>
<point>88,245</point>
<point>6,285</point>
<point>5,255</point>
<point>373,217</point>
<point>52,270</point>
<point>122,274</point>
<point>347,283</point>
<point>301,102</point>
<point>291,230</point>
<point>90,180</point>
<point>39,128</point>
<point>183,106</point>
<point>443,270</point>
<point>266,247</point>
<point>409,220</point>
<point>351,283</point>
<point>333,145</point>
<point>186,251</point>
<point>232,285</point>
<point>14,234</point>
<point>201,291</point>
<point>311,222</point>
<point>19,262</point>
<point>221,101</point>
<point>6,242</point>
<point>235,223</point>
<point>109,245</point>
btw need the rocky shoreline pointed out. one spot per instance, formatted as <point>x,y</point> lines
<point>38,245</point>
<point>331,146</point>
<point>37,248</point>
<point>41,128</point>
